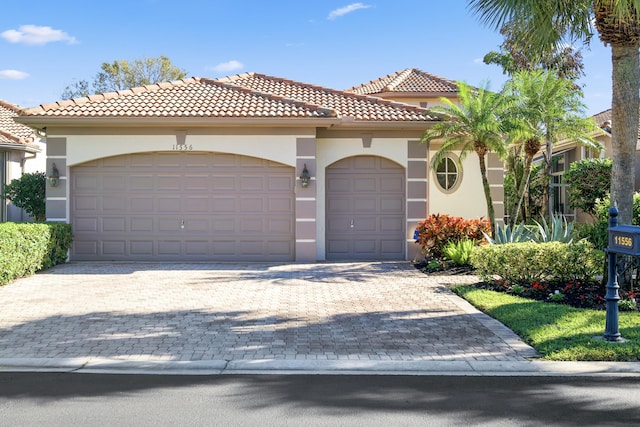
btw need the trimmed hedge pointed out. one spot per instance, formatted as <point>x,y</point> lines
<point>26,248</point>
<point>543,262</point>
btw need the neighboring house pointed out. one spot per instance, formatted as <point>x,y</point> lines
<point>565,153</point>
<point>19,154</point>
<point>216,170</point>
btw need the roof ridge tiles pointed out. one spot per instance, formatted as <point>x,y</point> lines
<point>399,78</point>
<point>330,112</point>
<point>17,139</point>
<point>9,106</point>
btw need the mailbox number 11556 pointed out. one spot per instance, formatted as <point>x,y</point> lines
<point>623,241</point>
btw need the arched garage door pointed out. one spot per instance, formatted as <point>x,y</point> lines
<point>183,207</point>
<point>365,209</point>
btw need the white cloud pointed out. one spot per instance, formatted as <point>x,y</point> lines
<point>13,75</point>
<point>347,9</point>
<point>35,35</point>
<point>478,61</point>
<point>228,66</point>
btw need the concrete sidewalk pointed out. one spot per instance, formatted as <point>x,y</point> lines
<point>366,317</point>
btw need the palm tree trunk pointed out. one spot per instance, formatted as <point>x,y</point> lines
<point>624,127</point>
<point>549,180</point>
<point>522,187</point>
<point>487,194</point>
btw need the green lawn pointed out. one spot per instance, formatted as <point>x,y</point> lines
<point>557,331</point>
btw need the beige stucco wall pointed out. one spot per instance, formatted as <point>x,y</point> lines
<point>467,200</point>
<point>278,148</point>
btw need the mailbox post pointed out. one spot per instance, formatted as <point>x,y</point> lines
<point>623,239</point>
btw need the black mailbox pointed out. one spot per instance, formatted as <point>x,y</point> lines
<point>624,239</point>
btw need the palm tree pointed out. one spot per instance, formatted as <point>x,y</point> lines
<point>545,108</point>
<point>473,125</point>
<point>548,23</point>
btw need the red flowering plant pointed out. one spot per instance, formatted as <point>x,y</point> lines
<point>437,230</point>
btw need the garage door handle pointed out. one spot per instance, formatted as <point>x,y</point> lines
<point>351,224</point>
<point>182,224</point>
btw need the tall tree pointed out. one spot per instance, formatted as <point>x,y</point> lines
<point>546,24</point>
<point>471,125</point>
<point>122,74</point>
<point>516,55</point>
<point>545,108</point>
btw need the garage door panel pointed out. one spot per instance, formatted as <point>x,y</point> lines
<point>181,206</point>
<point>82,225</point>
<point>141,204</point>
<point>114,247</point>
<point>117,224</point>
<point>167,182</point>
<point>141,182</point>
<point>252,183</point>
<point>280,183</point>
<point>141,224</point>
<point>365,209</point>
<point>114,183</point>
<point>365,184</point>
<point>84,182</point>
<point>117,204</point>
<point>86,203</point>
<point>141,247</point>
<point>223,183</point>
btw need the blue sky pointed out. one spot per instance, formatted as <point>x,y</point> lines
<point>45,45</point>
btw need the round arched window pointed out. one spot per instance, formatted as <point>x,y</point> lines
<point>448,174</point>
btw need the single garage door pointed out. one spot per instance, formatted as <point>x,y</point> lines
<point>183,207</point>
<point>365,209</point>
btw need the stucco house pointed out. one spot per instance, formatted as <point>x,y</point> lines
<point>249,167</point>
<point>21,151</point>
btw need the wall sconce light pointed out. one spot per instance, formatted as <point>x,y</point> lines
<point>54,178</point>
<point>305,178</point>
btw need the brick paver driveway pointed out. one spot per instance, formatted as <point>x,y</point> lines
<point>324,311</point>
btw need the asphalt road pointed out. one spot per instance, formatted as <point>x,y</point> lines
<point>48,399</point>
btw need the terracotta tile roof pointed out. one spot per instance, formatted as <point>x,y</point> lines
<point>603,120</point>
<point>345,104</point>
<point>410,80</point>
<point>245,95</point>
<point>12,132</point>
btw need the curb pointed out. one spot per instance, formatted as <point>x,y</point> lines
<point>323,367</point>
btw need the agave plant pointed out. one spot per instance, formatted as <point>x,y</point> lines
<point>560,230</point>
<point>520,233</point>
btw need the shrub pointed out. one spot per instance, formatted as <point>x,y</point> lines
<point>528,262</point>
<point>437,230</point>
<point>459,252</point>
<point>28,193</point>
<point>588,181</point>
<point>27,248</point>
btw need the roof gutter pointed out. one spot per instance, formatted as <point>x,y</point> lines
<point>29,148</point>
<point>40,122</point>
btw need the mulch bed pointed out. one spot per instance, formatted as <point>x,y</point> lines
<point>581,295</point>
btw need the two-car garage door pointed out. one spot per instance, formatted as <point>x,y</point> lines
<point>183,206</point>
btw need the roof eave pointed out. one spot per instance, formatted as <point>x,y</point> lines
<point>416,94</point>
<point>40,122</point>
<point>29,148</point>
<point>385,124</point>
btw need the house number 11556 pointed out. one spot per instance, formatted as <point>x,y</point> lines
<point>182,147</point>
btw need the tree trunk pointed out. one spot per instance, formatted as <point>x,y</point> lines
<point>549,188</point>
<point>487,194</point>
<point>625,105</point>
<point>521,190</point>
